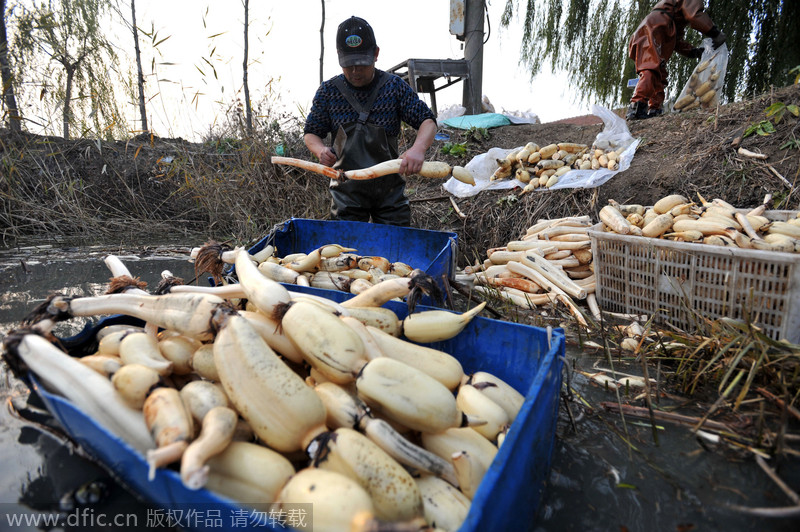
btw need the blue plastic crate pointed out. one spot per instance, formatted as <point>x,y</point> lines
<point>509,495</point>
<point>433,252</point>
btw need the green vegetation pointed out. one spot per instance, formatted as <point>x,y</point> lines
<point>477,134</point>
<point>474,135</point>
<point>790,144</point>
<point>775,113</point>
<point>777,110</point>
<point>456,149</point>
<point>589,40</point>
<point>763,128</point>
<point>59,50</point>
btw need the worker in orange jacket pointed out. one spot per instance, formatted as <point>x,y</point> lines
<point>659,35</point>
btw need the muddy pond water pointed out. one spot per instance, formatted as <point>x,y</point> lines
<point>598,481</point>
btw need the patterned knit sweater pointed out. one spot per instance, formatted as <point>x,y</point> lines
<point>396,103</point>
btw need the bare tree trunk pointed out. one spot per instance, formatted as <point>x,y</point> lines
<point>140,79</point>
<point>70,68</point>
<point>247,107</point>
<point>321,41</point>
<point>6,76</point>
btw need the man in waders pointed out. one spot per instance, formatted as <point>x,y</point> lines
<point>659,35</point>
<point>363,109</point>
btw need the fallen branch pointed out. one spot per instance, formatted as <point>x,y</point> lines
<point>777,480</point>
<point>788,511</point>
<point>785,181</point>
<point>435,198</point>
<point>643,412</point>
<point>780,402</point>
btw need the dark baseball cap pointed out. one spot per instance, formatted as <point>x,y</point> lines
<point>355,43</point>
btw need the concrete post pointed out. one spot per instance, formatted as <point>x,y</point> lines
<point>473,53</point>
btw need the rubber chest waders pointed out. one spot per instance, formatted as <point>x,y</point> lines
<point>366,144</point>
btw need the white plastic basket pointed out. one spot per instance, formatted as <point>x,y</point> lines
<point>677,281</point>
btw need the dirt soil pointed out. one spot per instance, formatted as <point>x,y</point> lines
<point>689,153</point>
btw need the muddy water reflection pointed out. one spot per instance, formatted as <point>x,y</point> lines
<point>597,483</point>
<point>39,468</point>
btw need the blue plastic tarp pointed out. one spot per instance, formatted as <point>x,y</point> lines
<point>484,120</point>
